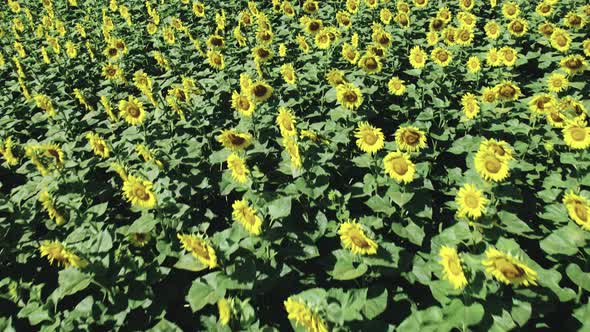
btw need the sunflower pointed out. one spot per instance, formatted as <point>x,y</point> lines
<point>510,10</point>
<point>288,73</point>
<point>243,104</point>
<point>56,252</point>
<point>199,248</point>
<point>139,192</point>
<point>239,169</point>
<point>396,86</point>
<point>382,37</point>
<point>472,202</point>
<point>264,36</point>
<point>54,152</point>
<point>492,29</point>
<point>518,27</point>
<point>233,140</point>
<point>335,77</point>
<point>469,105</point>
<point>402,6</point>
<point>488,95</point>
<point>402,19</point>
<point>560,40</point>
<point>349,96</point>
<point>573,64</point>
<point>574,20</point>
<point>546,29</point>
<point>578,209</point>
<point>444,13</point>
<point>576,135</point>
<point>467,20</point>
<point>288,9</point>
<point>420,3</point>
<point>224,310</point>
<point>467,4</point>
<point>385,15</point>
<point>247,217</point>
<point>544,9</point>
<point>509,56</point>
<point>542,103</point>
<point>292,147</point>
<point>215,41</point>
<point>286,122</point>
<point>215,59</point>
<point>352,6</point>
<point>449,34</point>
<point>432,38</point>
<point>301,314</point>
<point>417,57</point>
<point>399,167</point>
<point>557,82</point>
<point>262,54</point>
<point>354,239</point>
<point>586,47</point>
<point>369,139</point>
<point>47,202</point>
<point>371,3</point>
<point>98,145</point>
<point>508,269</point>
<point>132,110</point>
<point>556,119</point>
<point>441,56</point>
<point>313,26</point>
<point>322,39</point>
<point>44,102</point>
<point>349,53</point>
<point>410,139</point>
<point>507,91</point>
<point>6,150</point>
<point>501,149</point>
<point>139,239</point>
<point>464,36</point>
<point>112,72</point>
<point>261,91</point>
<point>490,166</point>
<point>311,6</point>
<point>473,64</point>
<point>370,63</point>
<point>452,269</point>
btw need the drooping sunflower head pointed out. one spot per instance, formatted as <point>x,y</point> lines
<point>399,167</point>
<point>286,122</point>
<point>349,96</point>
<point>452,269</point>
<point>199,248</point>
<point>410,139</point>
<point>508,269</point>
<point>239,169</point>
<point>56,252</point>
<point>224,308</point>
<point>139,192</point>
<point>55,153</point>
<point>233,140</point>
<point>369,139</point>
<point>288,73</point>
<point>302,315</point>
<point>247,217</point>
<point>471,201</point>
<point>353,238</point>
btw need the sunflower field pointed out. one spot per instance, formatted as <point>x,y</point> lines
<point>294,165</point>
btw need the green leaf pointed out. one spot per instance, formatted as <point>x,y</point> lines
<point>346,270</point>
<point>513,223</point>
<point>201,294</point>
<point>378,204</point>
<point>190,263</point>
<point>375,305</point>
<point>280,208</point>
<point>565,241</point>
<point>71,281</point>
<point>144,224</point>
<point>579,277</point>
<point>103,242</point>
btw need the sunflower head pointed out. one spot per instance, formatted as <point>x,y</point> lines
<point>507,91</point>
<point>471,201</point>
<point>410,139</point>
<point>452,269</point>
<point>139,192</point>
<point>233,140</point>
<point>508,269</point>
<point>399,167</point>
<point>576,135</point>
<point>261,91</point>
<point>349,96</point>
<point>247,217</point>
<point>369,138</point>
<point>353,238</point>
<point>578,209</point>
<point>490,166</point>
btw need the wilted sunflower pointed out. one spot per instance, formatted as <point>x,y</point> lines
<point>518,27</point>
<point>288,73</point>
<point>369,139</point>
<point>349,96</point>
<point>469,105</point>
<point>578,209</point>
<point>472,202</point>
<point>353,238</point>
<point>417,57</point>
<point>508,269</point>
<point>139,192</point>
<point>507,91</point>
<point>573,64</point>
<point>557,82</point>
<point>242,103</point>
<point>302,315</point>
<point>247,217</point>
<point>399,167</point>
<point>441,56</point>
<point>410,139</point>
<point>56,252</point>
<point>576,135</point>
<point>215,59</point>
<point>490,166</point>
<point>396,86</point>
<point>452,269</point>
<point>98,145</point>
<point>234,140</point>
<point>560,40</point>
<point>261,91</point>
<point>200,249</point>
<point>132,110</point>
<point>286,122</point>
<point>370,63</point>
<point>239,169</point>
